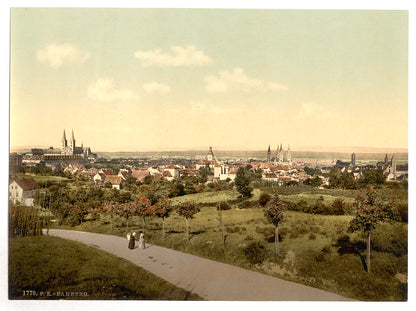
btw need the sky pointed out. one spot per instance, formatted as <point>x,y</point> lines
<point>178,79</point>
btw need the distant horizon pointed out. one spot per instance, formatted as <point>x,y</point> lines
<point>336,149</point>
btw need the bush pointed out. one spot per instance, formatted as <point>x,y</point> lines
<point>337,207</point>
<point>255,253</point>
<point>264,198</point>
<point>402,209</point>
<point>223,206</point>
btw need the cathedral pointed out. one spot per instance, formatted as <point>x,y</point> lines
<point>282,156</point>
<point>69,148</point>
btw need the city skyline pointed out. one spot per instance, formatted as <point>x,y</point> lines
<point>171,79</point>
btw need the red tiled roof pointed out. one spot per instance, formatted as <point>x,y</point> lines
<point>113,179</point>
<point>27,184</point>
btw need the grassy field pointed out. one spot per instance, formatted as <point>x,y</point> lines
<point>48,264</point>
<point>311,251</point>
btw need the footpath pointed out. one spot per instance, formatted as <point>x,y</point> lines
<point>209,279</point>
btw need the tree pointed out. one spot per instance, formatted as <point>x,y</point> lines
<point>372,177</point>
<point>187,210</point>
<point>242,182</point>
<point>162,209</point>
<point>222,206</point>
<point>334,178</point>
<point>347,181</point>
<point>143,205</point>
<point>370,209</point>
<point>313,182</point>
<point>274,211</point>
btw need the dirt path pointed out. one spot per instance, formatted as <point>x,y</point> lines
<point>209,279</point>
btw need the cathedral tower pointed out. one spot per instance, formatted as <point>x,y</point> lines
<point>72,143</point>
<point>269,154</point>
<point>64,142</point>
<point>289,154</point>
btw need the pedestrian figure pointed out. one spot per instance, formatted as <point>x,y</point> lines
<point>141,241</point>
<point>132,240</point>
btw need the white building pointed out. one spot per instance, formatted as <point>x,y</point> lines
<point>23,191</point>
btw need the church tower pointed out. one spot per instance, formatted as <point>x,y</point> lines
<point>211,156</point>
<point>393,166</point>
<point>281,153</point>
<point>353,159</point>
<point>269,154</point>
<point>72,144</point>
<point>64,143</point>
<point>289,154</point>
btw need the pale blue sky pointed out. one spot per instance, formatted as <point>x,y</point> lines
<point>147,79</point>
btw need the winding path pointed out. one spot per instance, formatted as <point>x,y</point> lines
<point>209,279</point>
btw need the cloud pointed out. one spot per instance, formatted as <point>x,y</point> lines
<point>55,55</point>
<point>154,87</point>
<point>179,56</point>
<point>312,110</point>
<point>239,81</point>
<point>104,90</point>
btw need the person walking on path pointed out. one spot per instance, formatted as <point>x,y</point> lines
<point>132,240</point>
<point>141,240</point>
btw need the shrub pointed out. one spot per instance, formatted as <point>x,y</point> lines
<point>255,253</point>
<point>337,207</point>
<point>312,236</point>
<point>264,198</point>
<point>223,206</point>
<point>402,209</point>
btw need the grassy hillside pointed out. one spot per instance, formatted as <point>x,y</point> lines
<point>49,264</point>
<point>316,250</point>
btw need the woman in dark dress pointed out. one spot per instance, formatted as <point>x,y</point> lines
<point>132,240</point>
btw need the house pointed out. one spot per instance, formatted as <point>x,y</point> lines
<point>99,179</point>
<point>114,180</point>
<point>173,170</point>
<point>23,191</point>
<point>140,174</point>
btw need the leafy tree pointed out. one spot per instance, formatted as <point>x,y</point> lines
<point>369,210</point>
<point>274,211</point>
<point>242,182</point>
<point>313,182</point>
<point>143,208</point>
<point>203,175</point>
<point>187,210</point>
<point>372,177</point>
<point>128,210</point>
<point>162,209</point>
<point>347,181</point>
<point>334,178</point>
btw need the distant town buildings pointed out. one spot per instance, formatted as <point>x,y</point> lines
<point>68,153</point>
